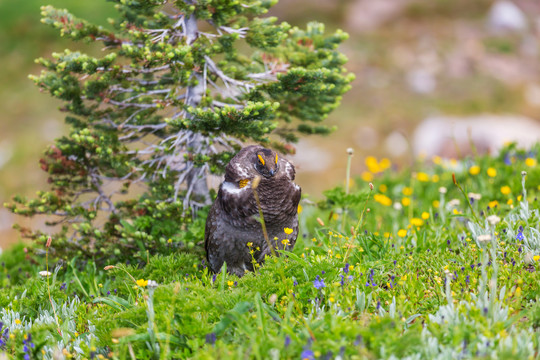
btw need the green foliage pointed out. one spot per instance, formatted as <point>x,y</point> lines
<point>413,281</point>
<point>163,108</point>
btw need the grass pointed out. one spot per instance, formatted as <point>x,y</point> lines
<point>443,264</point>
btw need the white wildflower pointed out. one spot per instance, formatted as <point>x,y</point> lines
<point>484,238</point>
<point>493,219</point>
<point>454,203</point>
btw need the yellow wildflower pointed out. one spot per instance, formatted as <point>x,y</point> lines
<point>506,190</point>
<point>474,170</point>
<point>493,203</point>
<point>491,172</point>
<point>435,178</point>
<point>285,242</point>
<point>142,282</point>
<point>436,160</point>
<point>406,201</point>
<point>422,176</point>
<point>372,164</point>
<point>425,215</point>
<point>17,321</point>
<point>510,202</point>
<point>230,283</point>
<point>382,199</point>
<point>299,208</point>
<point>367,176</point>
<point>402,233</point>
<point>456,212</point>
<point>536,257</point>
<point>530,162</point>
<point>417,222</point>
<point>288,231</point>
<point>435,203</point>
<point>385,163</point>
<point>383,188</point>
<point>407,191</point>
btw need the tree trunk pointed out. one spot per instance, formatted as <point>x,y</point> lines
<point>196,177</point>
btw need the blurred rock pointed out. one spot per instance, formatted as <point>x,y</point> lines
<point>368,15</point>
<point>451,137</point>
<point>421,81</point>
<point>366,137</point>
<point>504,15</point>
<point>396,144</point>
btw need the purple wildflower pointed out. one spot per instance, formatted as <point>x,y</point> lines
<point>307,354</point>
<point>287,340</point>
<point>318,283</point>
<point>211,338</point>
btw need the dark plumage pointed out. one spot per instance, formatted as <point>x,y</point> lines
<point>233,221</point>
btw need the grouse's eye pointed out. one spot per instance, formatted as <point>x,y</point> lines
<point>261,160</point>
<point>276,159</point>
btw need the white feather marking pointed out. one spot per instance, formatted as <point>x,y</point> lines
<point>240,170</point>
<point>232,188</point>
<point>289,169</point>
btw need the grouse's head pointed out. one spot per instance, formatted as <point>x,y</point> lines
<point>265,161</point>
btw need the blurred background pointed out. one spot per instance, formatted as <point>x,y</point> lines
<point>432,78</point>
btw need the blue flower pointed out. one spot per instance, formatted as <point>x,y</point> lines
<point>211,338</point>
<point>318,283</point>
<point>287,340</point>
<point>346,268</point>
<point>507,159</point>
<point>519,235</point>
<point>307,354</point>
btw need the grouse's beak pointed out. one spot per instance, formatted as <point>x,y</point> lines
<point>272,172</point>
